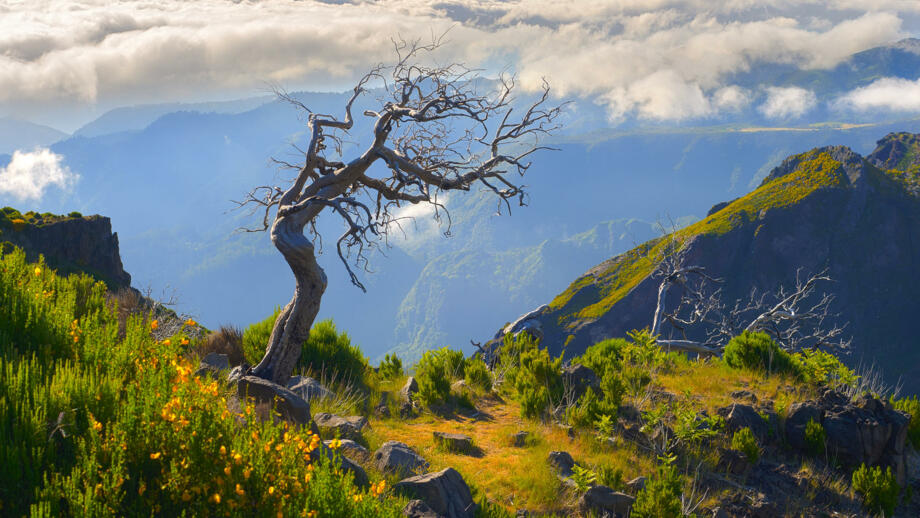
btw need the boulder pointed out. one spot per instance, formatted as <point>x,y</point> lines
<point>409,389</point>
<point>332,425</point>
<point>399,458</point>
<point>797,419</point>
<point>351,448</point>
<point>637,484</point>
<point>418,509</point>
<point>454,442</point>
<point>293,408</point>
<point>308,388</point>
<point>212,364</point>
<point>519,440</point>
<point>738,416</point>
<point>603,502</point>
<point>445,492</point>
<point>579,378</point>
<point>237,373</point>
<point>562,463</point>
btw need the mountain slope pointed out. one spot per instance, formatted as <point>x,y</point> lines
<point>828,207</point>
<point>17,134</point>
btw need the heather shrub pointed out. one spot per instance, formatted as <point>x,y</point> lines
<point>745,442</point>
<point>757,351</point>
<point>661,496</point>
<point>391,367</point>
<point>434,373</point>
<point>477,375</point>
<point>878,488</point>
<point>814,437</point>
<point>910,405</point>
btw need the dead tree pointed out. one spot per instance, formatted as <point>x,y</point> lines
<point>432,132</point>
<point>795,318</point>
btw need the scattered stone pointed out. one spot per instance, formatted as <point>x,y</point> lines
<point>337,426</point>
<point>360,476</point>
<point>351,448</point>
<point>744,394</point>
<point>738,416</point>
<point>237,373</point>
<point>454,442</point>
<point>409,389</point>
<point>293,408</point>
<point>579,378</point>
<point>519,440</point>
<point>732,461</point>
<point>602,501</point>
<point>445,492</point>
<point>418,509</point>
<point>212,364</point>
<point>382,410</point>
<point>637,484</point>
<point>308,388</point>
<point>399,458</point>
<point>562,463</point>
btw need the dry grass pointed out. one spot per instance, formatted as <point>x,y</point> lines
<point>506,475</point>
<point>226,340</point>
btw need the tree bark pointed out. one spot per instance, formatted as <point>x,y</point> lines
<point>292,327</point>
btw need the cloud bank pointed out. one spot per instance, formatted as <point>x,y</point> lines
<point>652,59</point>
<point>889,93</point>
<point>30,173</point>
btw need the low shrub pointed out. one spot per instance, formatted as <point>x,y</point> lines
<point>589,409</point>
<point>822,368</point>
<point>256,336</point>
<point>433,374</point>
<point>391,367</point>
<point>910,405</point>
<point>604,356</point>
<point>536,381</point>
<point>757,351</point>
<point>814,437</point>
<point>661,496</point>
<point>879,489</point>
<point>226,340</point>
<point>478,376</point>
<point>328,350</point>
<point>75,214</point>
<point>745,442</point>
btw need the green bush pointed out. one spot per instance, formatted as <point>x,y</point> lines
<point>536,381</point>
<point>604,356</point>
<point>478,376</point>
<point>910,405</point>
<point>391,367</point>
<point>822,368</point>
<point>434,376</point>
<point>331,352</point>
<point>814,437</point>
<point>879,489</point>
<point>588,410</point>
<point>256,336</point>
<point>757,351</point>
<point>661,496</point>
<point>745,442</point>
<point>75,214</point>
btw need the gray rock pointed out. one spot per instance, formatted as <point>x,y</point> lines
<point>237,373</point>
<point>602,501</point>
<point>445,492</point>
<point>418,509</point>
<point>519,440</point>
<point>744,394</point>
<point>399,458</point>
<point>351,448</point>
<point>562,463</point>
<point>738,416</point>
<point>293,408</point>
<point>406,410</point>
<point>409,389</point>
<point>579,378</point>
<point>797,419</point>
<point>308,388</point>
<point>338,426</point>
<point>212,364</point>
<point>382,410</point>
<point>454,442</point>
<point>637,484</point>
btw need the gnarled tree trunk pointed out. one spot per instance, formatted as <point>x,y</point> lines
<point>292,327</point>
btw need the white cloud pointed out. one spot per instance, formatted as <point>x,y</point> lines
<point>30,173</point>
<point>413,223</point>
<point>785,103</point>
<point>888,93</point>
<point>654,59</point>
<point>731,98</point>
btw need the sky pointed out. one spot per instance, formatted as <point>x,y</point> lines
<point>64,62</point>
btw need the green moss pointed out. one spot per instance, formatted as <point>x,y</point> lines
<point>815,170</point>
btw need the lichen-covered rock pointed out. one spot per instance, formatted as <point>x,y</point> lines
<point>561,462</point>
<point>454,442</point>
<point>418,509</point>
<point>293,408</point>
<point>212,365</point>
<point>445,492</point>
<point>350,448</point>
<point>409,389</point>
<point>331,425</point>
<point>308,388</point>
<point>738,416</point>
<point>397,457</point>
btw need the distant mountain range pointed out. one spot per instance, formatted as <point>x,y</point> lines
<point>827,208</point>
<point>166,175</point>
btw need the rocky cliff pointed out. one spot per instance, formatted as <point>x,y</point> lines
<point>70,244</point>
<point>827,208</point>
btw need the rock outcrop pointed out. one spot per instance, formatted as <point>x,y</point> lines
<point>444,492</point>
<point>397,457</point>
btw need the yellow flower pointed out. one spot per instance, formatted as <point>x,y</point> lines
<point>237,458</point>
<point>227,470</point>
<point>239,490</point>
<point>335,443</point>
<point>223,450</point>
<point>142,488</point>
<point>191,322</point>
<point>215,498</point>
<point>155,456</point>
<point>155,324</point>
<point>98,489</point>
<point>184,341</point>
<point>38,271</point>
<point>357,497</point>
<point>312,514</point>
<point>271,490</point>
<point>186,496</point>
<point>167,342</point>
<point>246,473</point>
